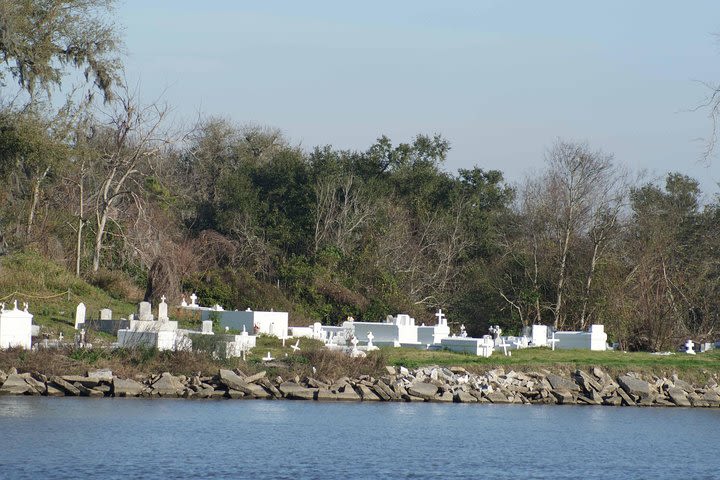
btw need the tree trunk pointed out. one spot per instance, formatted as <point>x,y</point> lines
<point>81,224</point>
<point>561,278</point>
<point>588,284</point>
<point>102,220</point>
<point>35,200</point>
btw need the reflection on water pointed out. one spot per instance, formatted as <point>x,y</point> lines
<point>160,438</point>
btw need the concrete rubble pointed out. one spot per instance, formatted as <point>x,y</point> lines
<point>426,384</point>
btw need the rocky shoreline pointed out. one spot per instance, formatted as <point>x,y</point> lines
<point>426,384</point>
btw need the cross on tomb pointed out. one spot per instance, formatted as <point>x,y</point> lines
<point>440,316</point>
<point>163,298</point>
<point>689,347</point>
<point>193,299</point>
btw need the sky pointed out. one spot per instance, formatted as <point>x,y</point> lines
<point>501,80</point>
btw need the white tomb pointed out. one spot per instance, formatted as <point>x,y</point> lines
<point>394,331</point>
<point>79,315</point>
<point>539,336</point>
<point>15,327</point>
<point>433,334</point>
<point>482,347</point>
<point>268,323</point>
<point>594,339</point>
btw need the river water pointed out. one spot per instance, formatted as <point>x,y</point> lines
<point>161,438</point>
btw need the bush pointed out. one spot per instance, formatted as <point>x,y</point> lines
<point>117,284</point>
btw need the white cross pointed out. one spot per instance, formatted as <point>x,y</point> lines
<point>504,346</point>
<point>163,299</point>
<point>193,297</point>
<point>553,341</point>
<point>689,347</point>
<point>440,315</point>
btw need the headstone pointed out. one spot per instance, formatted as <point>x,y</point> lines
<point>689,347</point>
<point>207,326</point>
<point>79,315</point>
<point>105,314</point>
<point>193,300</point>
<point>163,310</point>
<point>370,337</point>
<point>354,352</point>
<point>145,311</point>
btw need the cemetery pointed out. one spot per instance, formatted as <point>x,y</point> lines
<point>227,334</point>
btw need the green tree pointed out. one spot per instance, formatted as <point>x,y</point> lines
<point>41,40</point>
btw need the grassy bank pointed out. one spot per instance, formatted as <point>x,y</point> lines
<point>53,293</point>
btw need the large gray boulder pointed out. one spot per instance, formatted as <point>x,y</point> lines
<point>89,382</point>
<point>102,375</point>
<point>634,387</point>
<point>15,384</point>
<point>234,381</point>
<point>497,396</point>
<point>559,383</point>
<point>423,390</point>
<point>168,386</point>
<point>66,387</point>
<point>126,387</point>
<point>678,397</point>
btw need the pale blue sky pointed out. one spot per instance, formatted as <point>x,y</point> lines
<point>499,79</point>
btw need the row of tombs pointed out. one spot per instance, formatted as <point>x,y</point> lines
<point>240,329</point>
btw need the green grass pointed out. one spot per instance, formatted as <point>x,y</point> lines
<point>704,364</point>
<point>273,345</point>
<point>52,292</point>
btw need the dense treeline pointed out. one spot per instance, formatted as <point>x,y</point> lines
<point>246,219</point>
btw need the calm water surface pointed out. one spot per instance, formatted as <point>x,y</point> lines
<point>134,438</point>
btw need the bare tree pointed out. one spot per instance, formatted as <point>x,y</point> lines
<point>131,140</point>
<point>341,212</point>
<point>575,173</point>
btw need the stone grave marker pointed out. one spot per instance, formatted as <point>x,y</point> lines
<point>163,310</point>
<point>79,315</point>
<point>145,311</point>
<point>105,314</point>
